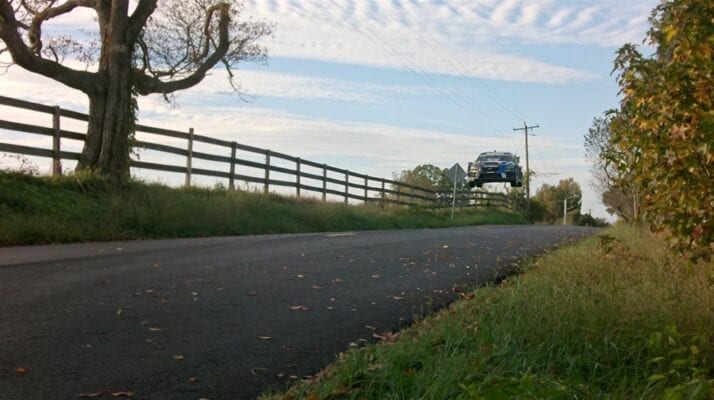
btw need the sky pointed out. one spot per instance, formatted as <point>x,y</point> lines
<point>381,86</point>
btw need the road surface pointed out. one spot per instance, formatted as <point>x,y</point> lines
<point>228,317</point>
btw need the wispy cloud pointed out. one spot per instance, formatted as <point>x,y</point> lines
<point>408,34</point>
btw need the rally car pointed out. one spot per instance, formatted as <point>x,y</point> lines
<point>495,166</point>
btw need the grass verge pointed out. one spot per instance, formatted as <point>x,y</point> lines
<point>37,210</point>
<point>614,316</point>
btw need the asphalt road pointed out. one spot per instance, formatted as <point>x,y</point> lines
<point>229,317</point>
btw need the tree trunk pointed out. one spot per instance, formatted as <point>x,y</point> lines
<point>106,148</point>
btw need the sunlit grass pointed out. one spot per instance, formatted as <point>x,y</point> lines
<point>614,316</point>
<point>87,208</point>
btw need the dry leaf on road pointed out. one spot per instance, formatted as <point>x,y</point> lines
<point>299,308</point>
<point>122,394</point>
<point>97,394</point>
<point>265,337</point>
<point>178,357</point>
<point>20,371</point>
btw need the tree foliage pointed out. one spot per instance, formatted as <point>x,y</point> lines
<point>665,124</point>
<point>139,48</point>
<point>425,176</point>
<point>547,204</point>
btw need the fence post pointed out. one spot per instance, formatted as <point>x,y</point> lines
<point>266,186</point>
<point>231,179</point>
<point>366,192</point>
<point>297,176</point>
<point>399,191</point>
<point>56,160</point>
<point>189,157</point>
<point>383,194</point>
<point>324,182</point>
<point>347,185</point>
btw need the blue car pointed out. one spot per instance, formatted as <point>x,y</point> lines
<point>495,166</point>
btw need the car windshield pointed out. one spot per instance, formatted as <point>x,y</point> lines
<point>494,157</point>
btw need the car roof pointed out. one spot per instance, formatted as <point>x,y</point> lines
<point>496,153</point>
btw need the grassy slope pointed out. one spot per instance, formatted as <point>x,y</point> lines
<point>51,210</point>
<point>606,318</point>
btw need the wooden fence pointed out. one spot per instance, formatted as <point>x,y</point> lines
<point>368,188</point>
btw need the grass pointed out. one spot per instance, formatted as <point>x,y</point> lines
<point>36,210</point>
<point>614,316</point>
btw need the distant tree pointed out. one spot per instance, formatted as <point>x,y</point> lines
<point>425,176</point>
<point>613,183</point>
<point>433,178</point>
<point>141,48</point>
<point>551,197</point>
<point>589,220</point>
<point>665,124</point>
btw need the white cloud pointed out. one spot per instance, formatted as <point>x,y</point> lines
<point>392,34</point>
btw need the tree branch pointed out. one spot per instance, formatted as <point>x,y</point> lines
<point>87,82</point>
<point>34,33</point>
<point>139,17</point>
<point>146,84</point>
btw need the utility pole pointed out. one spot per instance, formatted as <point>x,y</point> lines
<point>528,171</point>
<point>565,209</point>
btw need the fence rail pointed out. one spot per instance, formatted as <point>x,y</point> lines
<point>381,190</point>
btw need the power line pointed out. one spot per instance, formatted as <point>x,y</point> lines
<point>499,100</point>
<point>392,52</point>
<point>451,64</point>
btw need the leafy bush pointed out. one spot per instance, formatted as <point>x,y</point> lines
<point>665,125</point>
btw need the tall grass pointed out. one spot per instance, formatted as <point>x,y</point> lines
<point>84,208</point>
<point>612,317</point>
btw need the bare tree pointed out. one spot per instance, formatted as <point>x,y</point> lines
<point>612,180</point>
<point>156,47</point>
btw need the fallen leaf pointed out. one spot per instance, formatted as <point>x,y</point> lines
<point>336,280</point>
<point>178,357</point>
<point>164,301</point>
<point>370,327</point>
<point>299,308</point>
<point>252,293</point>
<point>194,294</point>
<point>330,308</point>
<point>192,379</point>
<point>397,297</point>
<point>265,337</point>
<point>280,375</point>
<point>255,370</point>
<point>104,282</point>
<point>316,287</point>
<point>122,394</point>
<point>155,329</point>
<point>119,311</point>
<point>97,394</point>
<point>375,276</point>
<point>312,396</point>
<point>300,276</point>
<point>20,371</point>
<point>150,290</point>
